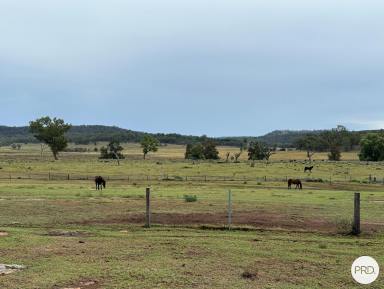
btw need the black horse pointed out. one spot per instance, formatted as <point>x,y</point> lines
<point>100,183</point>
<point>308,169</point>
<point>296,182</point>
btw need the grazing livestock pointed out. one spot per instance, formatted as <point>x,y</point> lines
<point>296,182</point>
<point>100,183</point>
<point>308,169</point>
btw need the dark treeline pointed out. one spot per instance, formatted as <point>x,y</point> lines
<point>87,134</point>
<point>321,141</point>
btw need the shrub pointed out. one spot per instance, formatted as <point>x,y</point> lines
<point>323,246</point>
<point>190,198</point>
<point>344,226</point>
<point>250,274</point>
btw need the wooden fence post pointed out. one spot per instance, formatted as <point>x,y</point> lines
<point>356,215</point>
<point>229,209</point>
<point>148,208</point>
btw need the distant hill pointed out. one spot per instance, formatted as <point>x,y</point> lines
<point>84,134</point>
<point>285,138</point>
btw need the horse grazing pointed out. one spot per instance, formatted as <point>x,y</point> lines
<point>308,169</point>
<point>296,182</point>
<point>100,183</point>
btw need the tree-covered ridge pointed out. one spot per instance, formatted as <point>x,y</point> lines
<point>83,134</point>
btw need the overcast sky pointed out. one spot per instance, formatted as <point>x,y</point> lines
<point>215,67</point>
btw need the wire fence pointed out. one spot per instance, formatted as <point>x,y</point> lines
<point>187,178</point>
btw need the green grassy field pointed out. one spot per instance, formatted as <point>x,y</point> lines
<point>71,236</point>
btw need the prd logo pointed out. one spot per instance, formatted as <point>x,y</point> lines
<point>365,270</point>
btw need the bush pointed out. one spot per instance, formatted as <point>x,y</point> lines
<point>250,274</point>
<point>323,246</point>
<point>344,226</point>
<point>190,198</point>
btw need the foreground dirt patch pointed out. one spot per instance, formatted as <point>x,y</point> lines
<point>251,218</point>
<point>88,284</point>
<point>67,234</point>
<point>3,234</point>
<point>256,219</point>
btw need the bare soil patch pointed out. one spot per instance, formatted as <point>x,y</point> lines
<point>85,284</point>
<point>250,218</point>
<point>67,234</point>
<point>256,219</point>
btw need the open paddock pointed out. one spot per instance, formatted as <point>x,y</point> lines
<point>71,236</point>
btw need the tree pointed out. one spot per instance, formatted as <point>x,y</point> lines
<point>309,143</point>
<point>258,151</point>
<point>237,155</point>
<point>51,132</point>
<point>372,148</point>
<point>149,144</point>
<point>210,151</point>
<point>188,151</point>
<point>334,139</point>
<point>334,154</point>
<point>201,151</point>
<point>227,155</point>
<point>243,145</point>
<point>194,151</point>
<point>112,151</point>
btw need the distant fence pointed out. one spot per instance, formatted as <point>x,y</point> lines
<point>178,178</point>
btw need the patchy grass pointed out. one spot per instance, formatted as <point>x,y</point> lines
<point>69,235</point>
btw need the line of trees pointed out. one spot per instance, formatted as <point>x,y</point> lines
<point>334,141</point>
<point>52,133</point>
<point>339,140</point>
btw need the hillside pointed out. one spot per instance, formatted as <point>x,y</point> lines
<point>85,134</point>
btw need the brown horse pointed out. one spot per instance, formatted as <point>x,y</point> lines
<point>296,182</point>
<point>100,183</point>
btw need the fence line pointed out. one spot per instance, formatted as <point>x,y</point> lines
<point>187,178</point>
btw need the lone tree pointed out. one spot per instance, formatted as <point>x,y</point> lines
<point>149,144</point>
<point>309,144</point>
<point>51,132</point>
<point>334,139</point>
<point>258,151</point>
<point>112,151</point>
<point>372,148</point>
